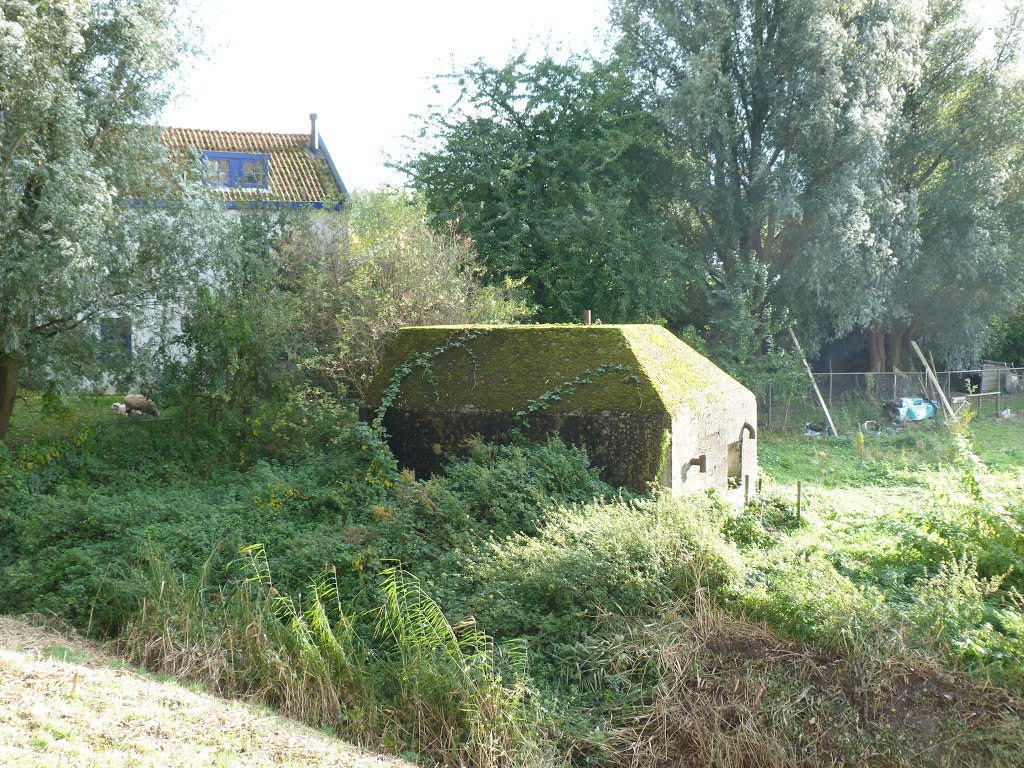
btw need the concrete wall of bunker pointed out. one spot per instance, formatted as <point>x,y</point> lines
<point>715,448</point>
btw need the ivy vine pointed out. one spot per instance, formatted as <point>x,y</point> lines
<point>544,401</point>
<point>423,362</point>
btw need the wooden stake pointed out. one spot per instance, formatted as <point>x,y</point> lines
<point>830,381</point>
<point>934,381</point>
<point>931,359</point>
<point>814,384</point>
<point>746,489</point>
<point>798,494</point>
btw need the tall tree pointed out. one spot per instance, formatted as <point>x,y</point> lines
<point>78,81</point>
<point>956,154</point>
<point>779,113</point>
<point>558,175</point>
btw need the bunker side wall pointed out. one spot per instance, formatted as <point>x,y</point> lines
<point>710,446</point>
<point>626,447</point>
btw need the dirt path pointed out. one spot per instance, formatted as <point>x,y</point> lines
<point>66,702</point>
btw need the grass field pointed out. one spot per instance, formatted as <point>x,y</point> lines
<point>881,622</point>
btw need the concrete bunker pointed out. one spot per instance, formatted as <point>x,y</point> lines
<point>645,406</point>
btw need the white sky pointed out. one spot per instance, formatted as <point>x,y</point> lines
<point>365,67</point>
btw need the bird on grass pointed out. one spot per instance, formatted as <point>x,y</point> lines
<point>135,404</point>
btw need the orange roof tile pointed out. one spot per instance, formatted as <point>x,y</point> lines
<point>297,174</point>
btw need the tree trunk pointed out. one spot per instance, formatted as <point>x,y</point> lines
<point>876,349</point>
<point>9,366</point>
<point>896,348</point>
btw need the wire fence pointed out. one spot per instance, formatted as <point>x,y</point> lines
<point>862,395</point>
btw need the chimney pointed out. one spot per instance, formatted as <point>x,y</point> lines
<point>314,137</point>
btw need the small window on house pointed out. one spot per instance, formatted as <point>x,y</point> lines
<point>115,341</point>
<point>253,173</point>
<point>219,172</point>
<point>237,169</point>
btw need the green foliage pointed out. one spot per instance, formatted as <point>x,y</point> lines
<point>762,521</point>
<point>502,490</point>
<point>237,343</point>
<point>74,518</point>
<point>1009,339</point>
<point>78,81</point>
<point>557,173</point>
<point>884,567</point>
<point>588,564</point>
<point>400,675</point>
<point>848,165</point>
<point>952,155</point>
<point>779,113</point>
<point>918,545</point>
<point>358,279</point>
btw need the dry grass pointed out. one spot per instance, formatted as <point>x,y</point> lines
<point>66,702</point>
<point>729,693</point>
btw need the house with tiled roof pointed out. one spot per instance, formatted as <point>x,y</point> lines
<point>245,170</point>
<point>257,169</point>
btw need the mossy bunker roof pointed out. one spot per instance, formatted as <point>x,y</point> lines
<point>641,369</point>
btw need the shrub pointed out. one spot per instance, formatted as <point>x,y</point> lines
<point>361,278</point>
<point>587,564</point>
<point>505,489</point>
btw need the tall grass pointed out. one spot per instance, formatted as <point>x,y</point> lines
<point>399,677</point>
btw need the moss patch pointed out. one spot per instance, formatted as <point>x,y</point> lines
<point>504,367</point>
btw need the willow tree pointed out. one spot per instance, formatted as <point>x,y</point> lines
<point>865,154</point>
<point>78,81</point>
<point>779,113</point>
<point>956,154</point>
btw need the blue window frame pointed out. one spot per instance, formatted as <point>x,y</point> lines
<point>115,341</point>
<point>237,169</point>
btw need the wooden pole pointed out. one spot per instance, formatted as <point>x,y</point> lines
<point>814,384</point>
<point>934,381</point>
<point>830,381</point>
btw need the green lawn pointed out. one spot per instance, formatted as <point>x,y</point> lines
<point>33,419</point>
<point>901,514</point>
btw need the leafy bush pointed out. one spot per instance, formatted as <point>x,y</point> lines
<point>500,490</point>
<point>361,278</point>
<point>238,342</point>
<point>763,520</point>
<point>587,564</point>
<point>72,528</point>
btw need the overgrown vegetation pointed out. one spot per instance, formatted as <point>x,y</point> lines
<point>517,611</point>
